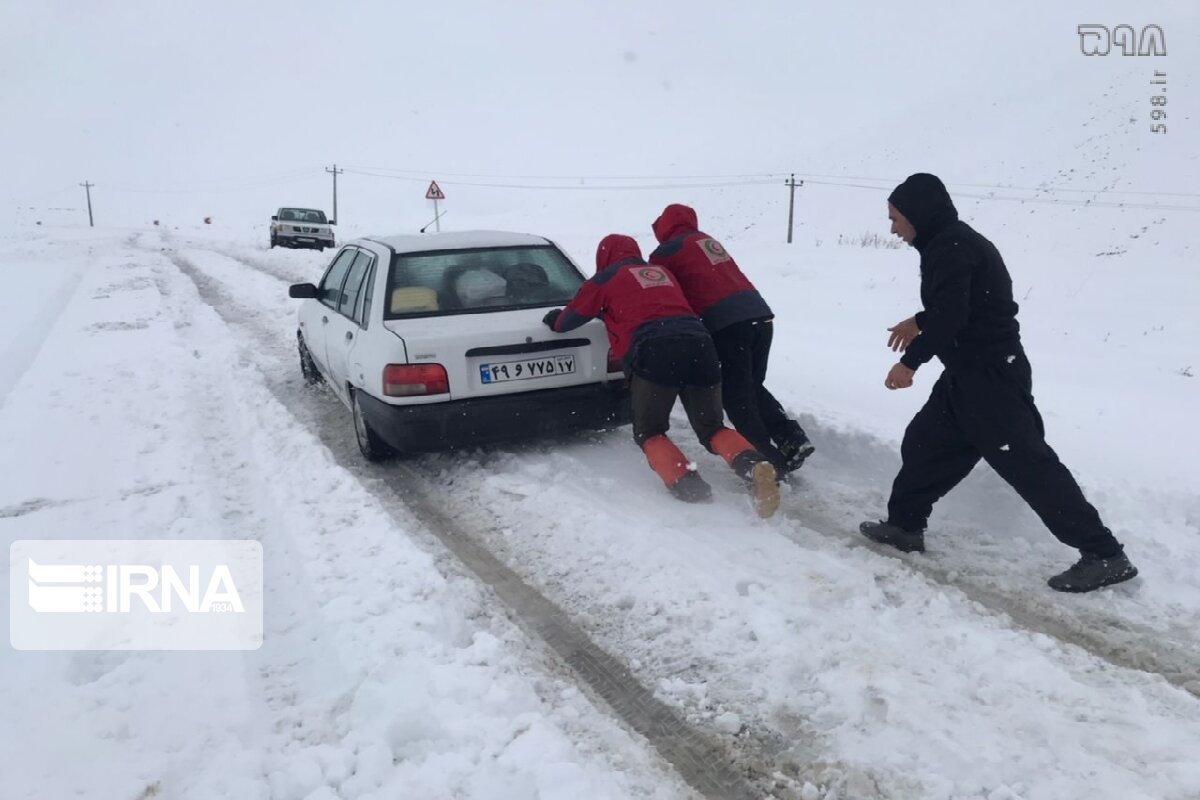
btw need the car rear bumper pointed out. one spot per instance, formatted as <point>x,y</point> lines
<point>485,420</point>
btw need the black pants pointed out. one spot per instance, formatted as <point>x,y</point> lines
<point>989,413</point>
<point>744,348</point>
<point>668,367</point>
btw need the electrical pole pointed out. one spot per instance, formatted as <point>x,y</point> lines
<point>334,172</point>
<point>88,188</point>
<point>791,182</point>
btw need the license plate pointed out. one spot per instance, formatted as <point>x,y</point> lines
<point>526,369</point>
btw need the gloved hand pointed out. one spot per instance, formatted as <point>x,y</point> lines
<point>551,317</point>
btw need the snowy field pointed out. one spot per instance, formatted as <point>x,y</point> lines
<point>153,391</point>
<point>541,620</point>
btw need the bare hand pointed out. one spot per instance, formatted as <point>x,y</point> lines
<point>903,334</point>
<point>899,377</point>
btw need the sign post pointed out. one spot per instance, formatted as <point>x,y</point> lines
<point>435,193</point>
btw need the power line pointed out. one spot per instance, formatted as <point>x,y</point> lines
<point>628,187</point>
<point>745,179</point>
<point>272,179</point>
<point>422,174</point>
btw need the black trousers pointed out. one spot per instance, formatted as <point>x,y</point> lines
<point>744,348</point>
<point>989,413</point>
<point>668,367</point>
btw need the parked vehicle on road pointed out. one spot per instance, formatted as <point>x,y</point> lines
<point>436,341</point>
<point>301,227</point>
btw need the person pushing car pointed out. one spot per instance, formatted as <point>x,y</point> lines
<point>667,353</point>
<point>741,325</point>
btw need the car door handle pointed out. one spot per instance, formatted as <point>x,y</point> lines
<point>325,320</point>
<point>349,336</point>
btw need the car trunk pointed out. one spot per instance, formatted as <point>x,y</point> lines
<point>505,352</point>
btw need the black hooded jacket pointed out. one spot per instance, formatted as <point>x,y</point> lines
<point>969,318</point>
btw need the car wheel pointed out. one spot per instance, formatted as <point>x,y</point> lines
<point>372,447</point>
<point>273,242</point>
<point>312,376</point>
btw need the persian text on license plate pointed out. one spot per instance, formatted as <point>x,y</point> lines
<point>526,368</point>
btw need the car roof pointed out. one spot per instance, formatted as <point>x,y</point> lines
<point>458,240</point>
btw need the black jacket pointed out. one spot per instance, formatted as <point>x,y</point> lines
<point>969,318</point>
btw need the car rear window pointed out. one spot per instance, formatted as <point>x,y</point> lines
<point>474,281</point>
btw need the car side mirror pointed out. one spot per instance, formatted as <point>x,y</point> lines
<point>302,290</point>
<point>274,218</point>
<point>333,222</point>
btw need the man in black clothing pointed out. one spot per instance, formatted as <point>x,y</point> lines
<point>982,405</point>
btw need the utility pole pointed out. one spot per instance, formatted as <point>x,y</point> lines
<point>334,172</point>
<point>791,182</point>
<point>88,188</point>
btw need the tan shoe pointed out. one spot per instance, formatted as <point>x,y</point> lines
<point>764,487</point>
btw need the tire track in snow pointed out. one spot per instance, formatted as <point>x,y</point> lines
<point>1107,637</point>
<point>700,758</point>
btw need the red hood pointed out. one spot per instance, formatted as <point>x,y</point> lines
<point>675,219</point>
<point>616,247</point>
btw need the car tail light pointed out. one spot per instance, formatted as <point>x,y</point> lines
<point>407,380</point>
<point>614,363</point>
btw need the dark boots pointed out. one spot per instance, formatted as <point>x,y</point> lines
<point>887,533</point>
<point>691,488</point>
<point>795,452</point>
<point>1091,572</point>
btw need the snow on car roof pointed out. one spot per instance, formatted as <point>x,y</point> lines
<point>458,240</point>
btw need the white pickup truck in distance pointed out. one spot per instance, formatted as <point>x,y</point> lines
<point>301,227</point>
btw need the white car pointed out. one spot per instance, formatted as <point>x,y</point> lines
<point>436,341</point>
<point>301,227</point>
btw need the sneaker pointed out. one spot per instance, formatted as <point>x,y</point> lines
<point>1091,572</point>
<point>795,453</point>
<point>764,488</point>
<point>887,533</point>
<point>691,488</point>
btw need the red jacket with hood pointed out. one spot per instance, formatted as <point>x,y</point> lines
<point>708,275</point>
<point>636,301</point>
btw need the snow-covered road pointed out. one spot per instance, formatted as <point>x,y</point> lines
<point>541,619</point>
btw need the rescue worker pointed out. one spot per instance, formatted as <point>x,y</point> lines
<point>667,353</point>
<point>740,322</point>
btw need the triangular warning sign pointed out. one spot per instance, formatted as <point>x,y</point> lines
<point>434,192</point>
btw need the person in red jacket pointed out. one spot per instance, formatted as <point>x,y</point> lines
<point>740,322</point>
<point>667,353</point>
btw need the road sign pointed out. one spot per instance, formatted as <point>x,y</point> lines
<point>434,192</point>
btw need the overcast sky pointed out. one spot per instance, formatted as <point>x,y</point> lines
<point>241,105</point>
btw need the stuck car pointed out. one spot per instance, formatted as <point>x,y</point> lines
<point>436,341</point>
<point>301,227</point>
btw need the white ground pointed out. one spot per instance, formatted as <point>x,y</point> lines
<point>149,388</point>
<point>136,408</point>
